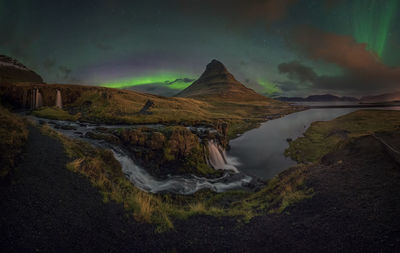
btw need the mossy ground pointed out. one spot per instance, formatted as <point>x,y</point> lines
<point>13,136</point>
<point>55,113</point>
<point>325,136</point>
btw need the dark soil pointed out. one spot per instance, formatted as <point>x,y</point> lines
<point>355,208</point>
<point>49,208</point>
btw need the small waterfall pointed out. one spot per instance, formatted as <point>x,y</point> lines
<point>58,99</point>
<point>39,100</point>
<point>36,99</point>
<point>218,159</point>
<point>142,179</point>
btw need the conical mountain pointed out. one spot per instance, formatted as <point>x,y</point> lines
<point>217,82</point>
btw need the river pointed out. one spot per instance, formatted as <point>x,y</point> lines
<point>260,151</point>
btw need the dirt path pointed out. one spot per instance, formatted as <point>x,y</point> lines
<point>49,208</point>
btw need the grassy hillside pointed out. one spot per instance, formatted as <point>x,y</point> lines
<point>122,105</point>
<point>114,106</point>
<point>13,136</point>
<point>323,137</point>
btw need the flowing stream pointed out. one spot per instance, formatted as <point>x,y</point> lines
<point>259,153</point>
<point>142,179</point>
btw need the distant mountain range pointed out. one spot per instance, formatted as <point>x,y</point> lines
<point>383,98</point>
<point>318,98</point>
<point>11,71</point>
<point>217,82</point>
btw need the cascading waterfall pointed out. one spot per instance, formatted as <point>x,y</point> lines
<point>58,99</point>
<point>218,159</point>
<point>176,184</point>
<point>142,179</point>
<point>39,100</point>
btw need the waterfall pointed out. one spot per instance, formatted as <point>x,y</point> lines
<point>58,99</point>
<point>218,159</point>
<point>38,100</point>
<point>142,179</point>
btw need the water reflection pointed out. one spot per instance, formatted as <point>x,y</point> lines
<point>260,151</point>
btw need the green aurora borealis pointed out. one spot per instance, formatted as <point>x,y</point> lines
<point>171,80</point>
<point>163,44</point>
<point>372,21</point>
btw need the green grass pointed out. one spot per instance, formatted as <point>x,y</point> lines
<point>104,172</point>
<point>283,190</point>
<point>324,137</point>
<point>55,113</point>
<point>13,137</point>
<point>115,106</point>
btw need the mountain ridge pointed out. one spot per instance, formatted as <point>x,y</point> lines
<point>382,98</point>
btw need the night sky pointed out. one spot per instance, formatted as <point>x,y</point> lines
<point>277,47</point>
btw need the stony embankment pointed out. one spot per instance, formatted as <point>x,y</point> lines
<point>167,150</point>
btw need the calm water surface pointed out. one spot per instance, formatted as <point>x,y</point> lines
<point>261,151</point>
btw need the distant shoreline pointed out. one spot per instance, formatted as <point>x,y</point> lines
<point>353,106</point>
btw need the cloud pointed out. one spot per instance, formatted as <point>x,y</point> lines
<point>49,64</point>
<point>102,46</point>
<point>184,80</point>
<point>332,3</point>
<point>64,71</point>
<point>362,69</point>
<point>288,86</point>
<point>297,71</point>
<point>65,74</point>
<point>244,11</point>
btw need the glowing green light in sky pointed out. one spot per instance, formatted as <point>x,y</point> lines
<point>269,88</point>
<point>166,79</point>
<point>372,21</point>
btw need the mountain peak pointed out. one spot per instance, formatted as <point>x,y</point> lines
<point>217,82</point>
<point>216,66</point>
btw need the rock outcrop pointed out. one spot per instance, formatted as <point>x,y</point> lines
<point>146,108</point>
<point>172,150</point>
<point>11,71</point>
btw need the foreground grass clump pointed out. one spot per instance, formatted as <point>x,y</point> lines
<point>55,113</point>
<point>282,191</point>
<point>105,173</point>
<point>13,136</point>
<point>325,136</point>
